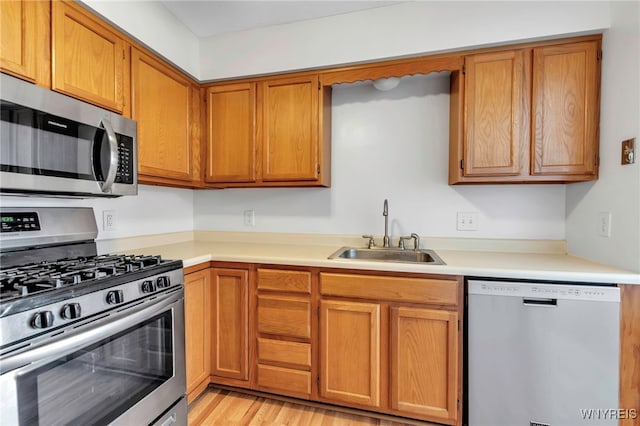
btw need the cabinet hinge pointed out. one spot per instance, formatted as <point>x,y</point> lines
<point>599,55</point>
<point>319,85</point>
<point>464,69</point>
<point>318,313</point>
<point>462,164</point>
<point>123,56</point>
<point>318,381</point>
<point>318,168</point>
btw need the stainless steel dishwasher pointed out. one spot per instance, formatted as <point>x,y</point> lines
<point>542,354</point>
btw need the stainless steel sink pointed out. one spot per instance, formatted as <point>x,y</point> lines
<point>388,255</point>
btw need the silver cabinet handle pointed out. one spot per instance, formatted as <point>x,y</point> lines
<point>113,156</point>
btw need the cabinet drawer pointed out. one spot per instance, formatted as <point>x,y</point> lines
<point>290,281</point>
<point>284,316</point>
<point>295,354</point>
<point>284,380</point>
<point>397,289</point>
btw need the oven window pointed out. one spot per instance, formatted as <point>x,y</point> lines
<point>96,384</point>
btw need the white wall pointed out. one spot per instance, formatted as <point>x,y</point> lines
<point>618,189</point>
<point>153,25</point>
<point>390,145</point>
<point>407,28</point>
<point>155,210</point>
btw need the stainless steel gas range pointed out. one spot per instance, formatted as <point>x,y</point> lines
<point>84,338</point>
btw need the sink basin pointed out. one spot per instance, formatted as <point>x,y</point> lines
<point>388,255</point>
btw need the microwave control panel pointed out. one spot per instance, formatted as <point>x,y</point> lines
<point>126,165</point>
<point>19,222</point>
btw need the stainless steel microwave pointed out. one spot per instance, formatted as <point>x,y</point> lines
<point>51,144</point>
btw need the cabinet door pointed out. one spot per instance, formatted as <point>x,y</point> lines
<point>424,362</point>
<point>566,87</point>
<point>350,352</point>
<point>230,323</point>
<point>24,39</point>
<point>290,129</point>
<point>494,114</point>
<point>197,328</point>
<point>88,57</point>
<point>161,104</point>
<point>231,147</point>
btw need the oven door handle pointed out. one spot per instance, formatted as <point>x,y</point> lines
<point>82,337</point>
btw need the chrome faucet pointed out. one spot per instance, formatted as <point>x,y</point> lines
<point>385,213</point>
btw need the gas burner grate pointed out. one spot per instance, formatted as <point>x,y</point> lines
<point>44,276</point>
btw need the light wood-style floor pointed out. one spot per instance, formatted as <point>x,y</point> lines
<point>224,407</point>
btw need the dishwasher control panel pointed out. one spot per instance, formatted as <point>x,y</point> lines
<point>569,291</point>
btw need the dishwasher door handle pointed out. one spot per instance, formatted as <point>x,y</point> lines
<point>549,303</point>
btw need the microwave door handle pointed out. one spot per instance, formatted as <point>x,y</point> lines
<point>113,156</point>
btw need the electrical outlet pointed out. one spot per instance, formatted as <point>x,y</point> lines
<point>467,221</point>
<point>249,218</point>
<point>108,220</point>
<point>604,224</point>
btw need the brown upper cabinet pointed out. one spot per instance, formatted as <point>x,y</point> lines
<point>231,154</point>
<point>526,115</point>
<point>565,110</point>
<point>165,103</point>
<point>89,59</point>
<point>24,40</point>
<point>273,132</point>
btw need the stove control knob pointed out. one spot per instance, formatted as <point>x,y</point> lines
<point>148,287</point>
<point>115,296</point>
<point>42,319</point>
<point>71,311</point>
<point>163,282</point>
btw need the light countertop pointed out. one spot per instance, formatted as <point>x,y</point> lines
<point>514,263</point>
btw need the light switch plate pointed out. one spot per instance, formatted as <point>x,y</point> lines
<point>467,221</point>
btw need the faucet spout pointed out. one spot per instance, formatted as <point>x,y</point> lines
<point>385,213</point>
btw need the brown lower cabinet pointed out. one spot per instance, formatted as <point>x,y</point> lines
<point>197,323</point>
<point>391,343</point>
<point>384,342</point>
<point>229,325</point>
<point>284,332</point>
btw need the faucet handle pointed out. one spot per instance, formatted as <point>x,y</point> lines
<point>416,241</point>
<point>401,242</point>
<point>371,243</point>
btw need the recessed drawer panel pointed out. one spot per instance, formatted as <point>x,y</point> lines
<point>397,289</point>
<point>284,316</point>
<point>294,354</point>
<point>284,380</point>
<point>289,281</point>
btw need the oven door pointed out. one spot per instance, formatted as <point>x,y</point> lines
<point>125,369</point>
